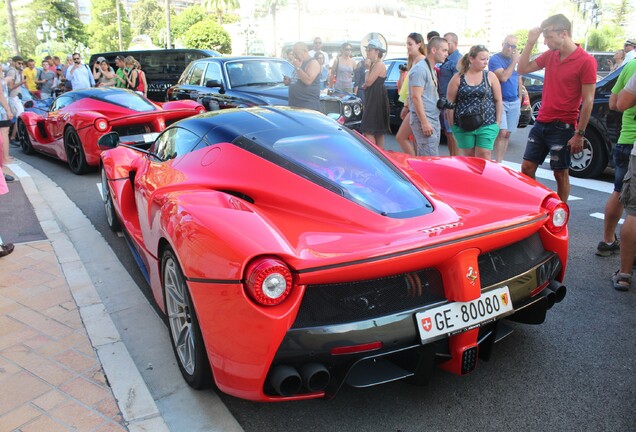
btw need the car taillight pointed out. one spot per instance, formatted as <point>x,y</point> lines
<point>268,281</point>
<point>558,214</point>
<point>201,109</point>
<point>101,124</point>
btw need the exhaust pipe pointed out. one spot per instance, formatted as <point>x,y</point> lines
<point>315,376</point>
<point>558,289</point>
<point>285,380</point>
<point>550,297</point>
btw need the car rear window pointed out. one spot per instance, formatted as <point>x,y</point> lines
<point>129,100</point>
<point>363,176</point>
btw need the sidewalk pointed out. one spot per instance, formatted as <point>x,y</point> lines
<point>63,366</point>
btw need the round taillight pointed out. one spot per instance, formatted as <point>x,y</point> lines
<point>558,214</point>
<point>101,125</point>
<point>347,111</point>
<point>357,109</point>
<point>201,110</point>
<point>268,281</point>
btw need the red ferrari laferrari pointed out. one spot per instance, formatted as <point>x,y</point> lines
<point>69,130</point>
<point>291,256</point>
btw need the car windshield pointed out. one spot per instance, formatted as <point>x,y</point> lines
<point>126,99</point>
<point>253,72</point>
<point>361,175</point>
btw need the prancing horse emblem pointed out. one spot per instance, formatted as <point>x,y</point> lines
<point>471,275</point>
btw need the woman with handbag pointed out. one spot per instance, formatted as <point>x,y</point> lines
<point>474,104</point>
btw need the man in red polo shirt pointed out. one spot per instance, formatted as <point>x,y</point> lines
<point>570,77</point>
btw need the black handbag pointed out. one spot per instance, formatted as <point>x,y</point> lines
<point>471,122</point>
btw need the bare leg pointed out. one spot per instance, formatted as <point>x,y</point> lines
<point>483,153</point>
<point>501,144</point>
<point>467,151</point>
<point>613,213</point>
<point>402,136</point>
<point>628,244</point>
<point>370,137</point>
<point>529,168</point>
<point>562,178</point>
<point>379,141</point>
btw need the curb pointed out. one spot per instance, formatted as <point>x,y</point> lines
<point>132,395</point>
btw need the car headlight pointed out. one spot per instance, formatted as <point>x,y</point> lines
<point>347,111</point>
<point>357,109</point>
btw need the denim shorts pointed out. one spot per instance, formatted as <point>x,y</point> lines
<point>550,138</point>
<point>621,162</point>
<point>510,115</point>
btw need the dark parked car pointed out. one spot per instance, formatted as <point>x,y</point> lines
<point>240,82</point>
<point>602,131</point>
<point>162,66</point>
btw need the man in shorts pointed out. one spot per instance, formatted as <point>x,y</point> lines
<point>423,98</point>
<point>503,64</point>
<point>622,279</point>
<point>621,154</point>
<point>570,77</point>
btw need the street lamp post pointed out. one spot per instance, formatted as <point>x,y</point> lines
<point>62,24</point>
<point>45,33</point>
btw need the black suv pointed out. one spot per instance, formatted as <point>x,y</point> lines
<point>240,82</point>
<point>162,66</point>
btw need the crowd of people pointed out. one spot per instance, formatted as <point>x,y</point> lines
<point>475,99</point>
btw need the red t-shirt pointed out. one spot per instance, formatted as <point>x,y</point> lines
<point>562,94</point>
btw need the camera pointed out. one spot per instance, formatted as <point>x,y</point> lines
<point>402,67</point>
<point>443,103</point>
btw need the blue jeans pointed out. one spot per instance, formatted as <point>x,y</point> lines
<point>550,138</point>
<point>621,162</point>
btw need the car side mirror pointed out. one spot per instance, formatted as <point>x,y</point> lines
<point>214,84</point>
<point>108,141</point>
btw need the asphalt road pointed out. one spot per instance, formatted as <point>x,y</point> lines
<point>575,372</point>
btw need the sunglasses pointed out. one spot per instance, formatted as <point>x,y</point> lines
<point>76,58</point>
<point>507,45</point>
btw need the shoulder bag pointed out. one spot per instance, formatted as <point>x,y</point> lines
<point>471,122</point>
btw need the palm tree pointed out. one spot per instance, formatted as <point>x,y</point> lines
<point>12,31</point>
<point>220,6</point>
<point>273,6</point>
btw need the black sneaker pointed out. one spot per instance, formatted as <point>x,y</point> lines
<point>606,249</point>
<point>8,178</point>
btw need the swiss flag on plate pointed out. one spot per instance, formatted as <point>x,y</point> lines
<point>426,324</point>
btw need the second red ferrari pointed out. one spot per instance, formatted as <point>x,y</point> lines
<point>69,130</point>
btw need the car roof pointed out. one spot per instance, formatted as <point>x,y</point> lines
<point>225,59</point>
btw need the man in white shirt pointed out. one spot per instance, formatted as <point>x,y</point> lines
<point>79,74</point>
<point>630,50</point>
<point>318,49</point>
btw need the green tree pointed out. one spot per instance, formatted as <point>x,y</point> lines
<point>622,12</point>
<point>221,6</point>
<point>207,34</point>
<point>186,19</point>
<point>104,34</point>
<point>607,37</point>
<point>522,40</point>
<point>148,17</point>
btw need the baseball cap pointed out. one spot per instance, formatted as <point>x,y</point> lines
<point>630,42</point>
<point>100,59</point>
<point>59,67</point>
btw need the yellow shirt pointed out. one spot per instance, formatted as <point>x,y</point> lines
<point>404,90</point>
<point>29,77</point>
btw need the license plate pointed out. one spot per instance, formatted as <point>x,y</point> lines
<point>456,317</point>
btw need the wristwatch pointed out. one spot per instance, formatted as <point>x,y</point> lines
<point>581,132</point>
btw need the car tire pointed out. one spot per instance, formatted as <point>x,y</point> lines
<point>111,217</point>
<point>75,156</point>
<point>592,161</point>
<point>183,325</point>
<point>535,104</point>
<point>25,141</point>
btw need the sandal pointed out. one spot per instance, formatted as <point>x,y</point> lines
<point>6,249</point>
<point>622,281</point>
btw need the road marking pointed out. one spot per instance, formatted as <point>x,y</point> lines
<point>15,168</point>
<point>591,184</point>
<point>601,216</point>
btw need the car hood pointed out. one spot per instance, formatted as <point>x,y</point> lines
<point>277,94</point>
